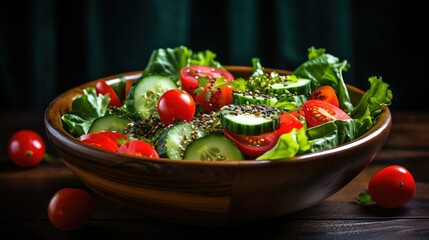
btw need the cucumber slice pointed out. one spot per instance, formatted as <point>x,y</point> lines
<point>250,119</point>
<point>213,147</point>
<point>295,99</point>
<point>291,102</point>
<point>146,93</point>
<point>253,97</point>
<point>109,123</point>
<point>174,139</point>
<point>300,87</point>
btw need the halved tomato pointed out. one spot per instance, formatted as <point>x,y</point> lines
<point>138,148</point>
<point>317,112</point>
<point>288,122</point>
<point>99,140</point>
<point>103,88</point>
<point>128,85</point>
<point>298,113</point>
<point>217,98</point>
<point>118,138</point>
<point>189,76</point>
<point>254,146</point>
<point>212,97</point>
<point>325,93</point>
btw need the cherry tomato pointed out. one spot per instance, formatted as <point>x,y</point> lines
<point>392,187</point>
<point>176,105</point>
<point>128,84</point>
<point>325,93</point>
<point>254,146</point>
<point>317,112</point>
<point>70,209</point>
<point>99,140</point>
<point>219,97</point>
<point>118,138</point>
<point>26,148</point>
<point>298,113</point>
<point>103,88</point>
<point>139,148</point>
<point>190,74</point>
<point>288,122</point>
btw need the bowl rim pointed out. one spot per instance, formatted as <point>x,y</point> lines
<point>54,128</point>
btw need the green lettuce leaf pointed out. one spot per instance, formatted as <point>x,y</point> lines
<point>289,145</point>
<point>258,70</point>
<point>325,69</point>
<point>85,109</point>
<point>168,61</point>
<point>205,58</point>
<point>371,104</point>
<point>324,136</point>
<point>332,134</point>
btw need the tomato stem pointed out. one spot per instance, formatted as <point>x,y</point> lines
<point>29,153</point>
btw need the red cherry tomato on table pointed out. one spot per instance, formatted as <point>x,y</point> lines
<point>70,209</point>
<point>103,88</point>
<point>176,105</point>
<point>325,93</point>
<point>317,112</point>
<point>138,148</point>
<point>392,187</point>
<point>99,140</point>
<point>26,148</point>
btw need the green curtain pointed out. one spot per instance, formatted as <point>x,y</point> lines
<point>48,46</point>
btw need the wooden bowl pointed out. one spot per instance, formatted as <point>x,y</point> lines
<point>213,193</point>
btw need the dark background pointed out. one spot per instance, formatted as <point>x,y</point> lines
<point>48,46</point>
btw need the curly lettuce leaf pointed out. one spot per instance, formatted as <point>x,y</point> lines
<point>332,134</point>
<point>325,69</point>
<point>371,104</point>
<point>85,109</point>
<point>205,58</point>
<point>169,61</point>
<point>324,136</point>
<point>258,70</point>
<point>257,78</point>
<point>289,145</point>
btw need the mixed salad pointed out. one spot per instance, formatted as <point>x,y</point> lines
<point>186,105</point>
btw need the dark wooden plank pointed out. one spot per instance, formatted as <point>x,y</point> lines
<point>276,229</point>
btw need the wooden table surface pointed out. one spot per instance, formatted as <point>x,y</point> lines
<point>25,194</point>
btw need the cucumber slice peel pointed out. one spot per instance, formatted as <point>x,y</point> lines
<point>146,93</point>
<point>109,123</point>
<point>174,139</point>
<point>250,119</point>
<point>300,87</point>
<point>214,147</point>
